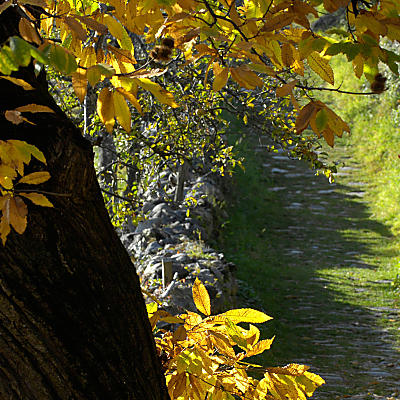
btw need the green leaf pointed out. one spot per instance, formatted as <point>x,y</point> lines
<point>234,333</point>
<point>41,56</point>
<point>62,60</point>
<point>21,50</point>
<point>347,48</point>
<point>321,119</point>
<point>7,61</point>
<point>106,70</point>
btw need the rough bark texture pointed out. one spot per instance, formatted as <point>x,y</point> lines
<point>72,319</point>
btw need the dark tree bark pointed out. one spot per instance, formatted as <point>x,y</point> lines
<point>73,324</point>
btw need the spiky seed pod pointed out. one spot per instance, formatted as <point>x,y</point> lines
<point>378,85</point>
<point>161,53</point>
<point>168,42</point>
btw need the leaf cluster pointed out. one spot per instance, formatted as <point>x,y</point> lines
<point>203,357</point>
<point>14,155</point>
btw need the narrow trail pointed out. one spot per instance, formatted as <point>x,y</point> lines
<point>311,255</point>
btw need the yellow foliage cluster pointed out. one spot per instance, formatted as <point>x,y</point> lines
<point>245,42</point>
<point>203,357</point>
<point>14,155</point>
<point>240,45</point>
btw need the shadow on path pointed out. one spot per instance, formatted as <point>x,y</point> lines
<point>308,253</point>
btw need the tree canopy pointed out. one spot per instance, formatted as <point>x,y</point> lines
<point>195,59</point>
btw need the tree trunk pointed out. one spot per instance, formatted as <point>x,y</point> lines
<point>73,324</point>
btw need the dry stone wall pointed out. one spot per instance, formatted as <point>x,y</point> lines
<point>170,246</point>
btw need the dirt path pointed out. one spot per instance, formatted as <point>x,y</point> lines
<point>313,257</point>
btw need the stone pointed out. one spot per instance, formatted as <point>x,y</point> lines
<point>279,171</point>
<point>181,258</point>
<point>161,210</point>
<point>147,224</point>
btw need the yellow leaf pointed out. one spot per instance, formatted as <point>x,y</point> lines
<point>220,78</point>
<point>19,82</point>
<point>222,344</point>
<point>305,115</point>
<point>151,308</point>
<point>286,88</point>
<point>191,319</point>
<point>122,54</point>
<point>105,109</point>
<point>28,31</point>
<point>295,103</point>
<point>336,124</point>
<point>321,66</point>
<point>131,98</point>
<point>25,151</point>
<point>4,229</point>
<point>195,385</point>
<point>76,27</point>
<point>93,74</point>
<point>121,111</point>
<point>260,347</point>
<point>201,298</point>
<point>92,24</point>
<point>7,174</point>
<point>187,37</point>
<point>88,57</point>
<point>119,32</point>
<point>243,315</point>
<point>38,199</point>
<point>16,212</point>
<point>287,55</point>
<point>14,117</point>
<point>368,21</point>
<point>180,386</point>
<point>278,21</point>
<point>148,73</point>
<point>290,369</point>
<point>358,65</point>
<point>246,78</point>
<point>329,136</point>
<point>162,95</point>
<point>252,335</point>
<point>79,83</point>
<point>180,334</point>
<point>35,178</point>
<point>34,108</point>
<point>298,67</point>
<point>314,378</point>
<point>262,69</point>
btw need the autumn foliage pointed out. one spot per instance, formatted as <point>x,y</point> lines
<point>239,46</point>
<point>203,357</point>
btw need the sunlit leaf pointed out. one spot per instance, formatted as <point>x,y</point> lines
<point>105,109</point>
<point>321,66</point>
<point>19,82</point>
<point>121,111</point>
<point>35,108</point>
<point>79,83</point>
<point>35,178</point>
<point>201,297</point>
<point>38,199</point>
